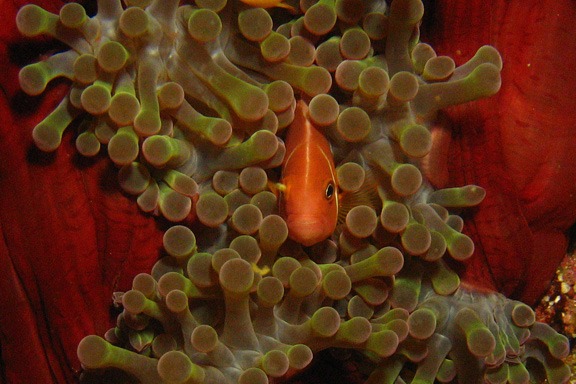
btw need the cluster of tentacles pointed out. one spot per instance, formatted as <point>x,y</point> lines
<point>190,102</point>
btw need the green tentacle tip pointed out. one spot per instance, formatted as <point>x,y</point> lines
<point>316,80</point>
<point>96,98</point>
<point>255,24</point>
<point>84,69</point>
<point>361,221</point>
<point>300,355</point>
<point>134,22</point>
<point>406,179</point>
<point>48,134</point>
<point>180,182</point>
<point>517,374</point>
<point>211,209</point>
<point>236,276</point>
<point>383,343</point>
<point>523,315</point>
<point>275,363</point>
<point>407,11</point>
<point>354,331</point>
<point>422,323</point>
<point>416,141</point>
<point>480,340</point>
<point>34,78</point>
<point>275,47</point>
<point>253,376</point>
<point>394,216</point>
<point>95,352</point>
<point>311,80</point>
<point>124,108</point>
<point>444,280</point>
<point>446,372</point>
<point>416,239</point>
<point>47,137</point>
<point>160,150</point>
<point>353,124</point>
<point>204,25</point>
<point>438,68</point>
<point>259,147</point>
<point>321,17</point>
<point>173,205</point>
<point>179,241</point>
<point>497,374</point>
<point>112,56</point>
<point>460,246</point>
<point>467,196</point>
<point>373,82</point>
<point>325,322</point>
<point>73,15</point>
<point>134,178</point>
<point>323,110</point>
<point>485,80</point>
<point>87,144</point>
<point>280,95</point>
<point>147,122</point>
<point>376,25</point>
<point>489,54</point>
<point>355,44</point>
<point>215,5</point>
<point>251,103</point>
<point>32,20</point>
<point>123,148</point>
<point>403,87</point>
<point>175,367</point>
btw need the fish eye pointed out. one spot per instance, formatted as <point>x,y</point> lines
<point>329,190</point>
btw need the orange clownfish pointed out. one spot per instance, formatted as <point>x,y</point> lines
<point>309,200</point>
<point>267,4</point>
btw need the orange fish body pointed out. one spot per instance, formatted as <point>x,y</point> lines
<point>309,201</point>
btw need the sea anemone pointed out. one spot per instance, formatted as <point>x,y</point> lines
<point>191,103</point>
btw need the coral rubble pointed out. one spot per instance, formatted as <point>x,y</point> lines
<point>191,103</point>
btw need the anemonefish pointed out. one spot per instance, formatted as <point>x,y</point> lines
<point>309,194</point>
<point>267,4</point>
<point>310,201</point>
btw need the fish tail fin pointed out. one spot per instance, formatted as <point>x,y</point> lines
<point>367,194</point>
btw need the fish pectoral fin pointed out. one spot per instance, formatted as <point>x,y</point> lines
<point>285,6</point>
<point>367,194</point>
<point>261,271</point>
<point>276,188</point>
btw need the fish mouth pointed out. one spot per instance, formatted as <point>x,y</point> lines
<point>308,230</point>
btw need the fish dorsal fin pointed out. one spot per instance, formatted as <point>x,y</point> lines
<point>367,194</point>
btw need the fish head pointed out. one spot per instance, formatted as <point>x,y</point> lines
<point>310,207</point>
